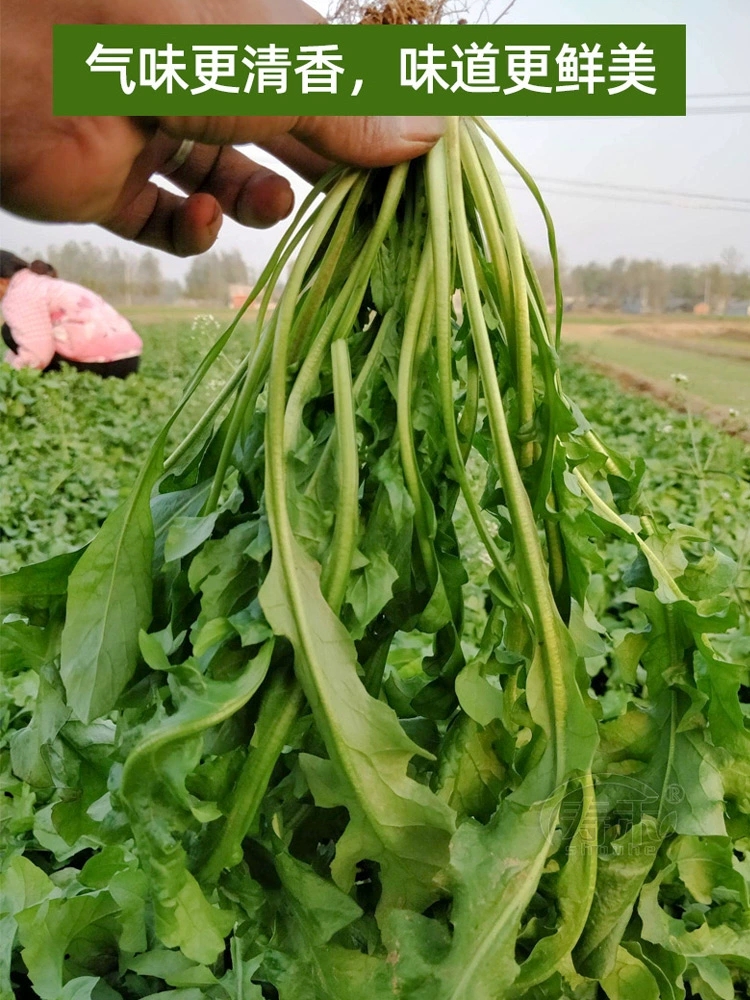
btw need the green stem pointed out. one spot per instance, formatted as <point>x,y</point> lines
<point>426,331</point>
<point>257,368</point>
<point>267,280</point>
<point>209,415</point>
<point>557,567</point>
<point>470,157</point>
<point>551,235</point>
<point>341,319</point>
<point>409,464</point>
<point>281,704</point>
<point>327,269</point>
<point>254,373</point>
<point>373,356</point>
<point>468,424</point>
<point>374,667</point>
<point>335,575</point>
<point>531,562</point>
<point>443,265</point>
<point>610,465</point>
<point>496,242</point>
<point>670,756</point>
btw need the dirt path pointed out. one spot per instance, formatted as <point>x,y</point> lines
<point>720,416</point>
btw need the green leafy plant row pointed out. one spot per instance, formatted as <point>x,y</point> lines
<point>272,754</point>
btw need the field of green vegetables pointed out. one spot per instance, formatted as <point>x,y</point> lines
<point>71,447</point>
<point>71,444</point>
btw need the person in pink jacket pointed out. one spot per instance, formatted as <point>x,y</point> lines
<point>49,321</point>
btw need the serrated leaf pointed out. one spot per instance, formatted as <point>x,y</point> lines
<point>47,930</point>
<point>723,941</point>
<point>159,806</point>
<point>303,961</point>
<point>393,820</point>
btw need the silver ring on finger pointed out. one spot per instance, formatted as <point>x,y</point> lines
<point>180,157</point>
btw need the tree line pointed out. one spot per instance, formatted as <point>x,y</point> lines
<point>127,278</point>
<point>651,285</point>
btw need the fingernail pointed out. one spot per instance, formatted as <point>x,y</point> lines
<point>422,129</point>
<point>286,203</point>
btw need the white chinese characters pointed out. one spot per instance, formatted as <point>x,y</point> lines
<point>424,68</point>
<point>587,69</point>
<point>632,68</point>
<point>163,68</point>
<point>534,68</point>
<point>476,69</point>
<point>526,62</point>
<point>268,69</point>
<point>218,68</point>
<point>578,69</point>
<point>214,63</point>
<point>104,60</point>
<point>319,68</point>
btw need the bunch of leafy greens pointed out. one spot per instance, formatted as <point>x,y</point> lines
<point>266,758</point>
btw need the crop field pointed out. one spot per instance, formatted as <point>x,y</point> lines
<point>71,447</point>
<point>713,356</point>
<point>71,444</point>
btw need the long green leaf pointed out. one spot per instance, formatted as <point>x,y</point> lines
<point>109,601</point>
<point>393,819</point>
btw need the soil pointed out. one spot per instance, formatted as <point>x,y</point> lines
<point>679,400</point>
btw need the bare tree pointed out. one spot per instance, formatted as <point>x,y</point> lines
<point>506,10</point>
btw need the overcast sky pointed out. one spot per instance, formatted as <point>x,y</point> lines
<point>703,153</point>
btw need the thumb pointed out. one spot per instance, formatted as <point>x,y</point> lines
<point>363,142</point>
<point>371,141</point>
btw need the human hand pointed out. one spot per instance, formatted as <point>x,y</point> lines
<point>99,169</point>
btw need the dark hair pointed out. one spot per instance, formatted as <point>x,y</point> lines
<point>40,267</point>
<point>10,265</point>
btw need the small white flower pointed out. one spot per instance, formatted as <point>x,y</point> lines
<point>667,429</point>
<point>679,377</point>
<point>733,412</point>
<point>725,495</point>
<point>204,323</point>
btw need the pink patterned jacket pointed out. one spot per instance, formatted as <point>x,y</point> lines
<point>48,316</point>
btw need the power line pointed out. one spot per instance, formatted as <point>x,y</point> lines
<point>724,202</point>
<point>716,96</point>
<point>739,109</point>
<point>642,190</point>
<point>638,201</point>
